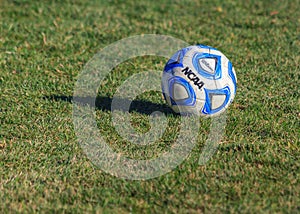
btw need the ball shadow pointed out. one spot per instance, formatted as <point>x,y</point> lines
<point>103,103</point>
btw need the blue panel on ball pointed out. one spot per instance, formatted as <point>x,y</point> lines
<point>176,59</point>
<point>170,66</point>
<point>206,46</point>
<point>218,71</point>
<point>190,101</point>
<point>208,93</point>
<point>232,76</point>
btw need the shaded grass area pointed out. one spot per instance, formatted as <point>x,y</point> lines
<point>43,47</point>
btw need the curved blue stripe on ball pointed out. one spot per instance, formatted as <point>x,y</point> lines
<point>190,101</point>
<point>184,51</point>
<point>207,106</point>
<point>218,70</point>
<point>232,76</point>
<point>170,66</point>
<point>176,59</point>
<point>206,46</point>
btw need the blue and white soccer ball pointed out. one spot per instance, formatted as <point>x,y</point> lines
<point>199,80</point>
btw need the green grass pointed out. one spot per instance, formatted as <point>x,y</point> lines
<point>43,47</point>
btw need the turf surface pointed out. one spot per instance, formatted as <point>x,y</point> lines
<point>43,47</point>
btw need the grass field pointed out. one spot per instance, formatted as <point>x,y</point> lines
<point>44,46</point>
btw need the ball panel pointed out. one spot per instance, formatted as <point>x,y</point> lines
<point>201,60</point>
<point>178,88</point>
<point>216,100</point>
<point>208,65</point>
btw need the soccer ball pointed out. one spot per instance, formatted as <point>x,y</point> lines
<point>199,80</point>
